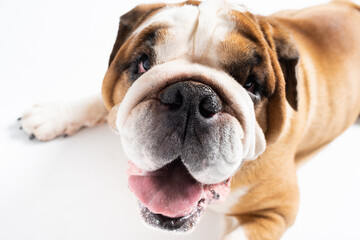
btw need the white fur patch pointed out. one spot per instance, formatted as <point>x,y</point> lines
<point>213,25</point>
<point>194,32</point>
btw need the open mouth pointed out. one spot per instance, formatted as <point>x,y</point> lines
<point>170,198</point>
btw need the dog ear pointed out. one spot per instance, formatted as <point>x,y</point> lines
<point>284,57</point>
<point>288,56</point>
<point>129,22</point>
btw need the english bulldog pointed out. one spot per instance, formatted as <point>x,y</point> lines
<point>214,104</point>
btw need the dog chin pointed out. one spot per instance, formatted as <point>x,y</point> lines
<point>171,199</point>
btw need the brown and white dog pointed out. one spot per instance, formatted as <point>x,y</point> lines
<point>208,97</point>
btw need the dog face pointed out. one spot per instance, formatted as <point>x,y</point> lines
<point>195,90</point>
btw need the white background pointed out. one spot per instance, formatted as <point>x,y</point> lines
<point>75,188</point>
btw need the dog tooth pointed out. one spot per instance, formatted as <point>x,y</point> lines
<point>202,201</point>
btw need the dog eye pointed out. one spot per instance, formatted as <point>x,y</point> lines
<point>143,64</point>
<point>250,84</point>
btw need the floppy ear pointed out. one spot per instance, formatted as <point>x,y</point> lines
<point>129,22</point>
<point>288,56</point>
<point>284,57</point>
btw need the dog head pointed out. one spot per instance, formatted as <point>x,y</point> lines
<point>195,90</point>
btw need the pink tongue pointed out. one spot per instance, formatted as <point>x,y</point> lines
<point>170,191</point>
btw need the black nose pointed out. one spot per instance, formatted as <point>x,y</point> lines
<point>197,99</point>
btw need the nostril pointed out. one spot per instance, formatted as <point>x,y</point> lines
<point>205,113</point>
<point>172,99</point>
<point>209,106</point>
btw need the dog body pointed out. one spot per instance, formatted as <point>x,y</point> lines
<point>322,69</point>
<point>328,89</point>
<point>257,96</point>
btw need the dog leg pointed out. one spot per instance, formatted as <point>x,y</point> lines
<point>268,224</point>
<point>267,211</point>
<point>48,121</point>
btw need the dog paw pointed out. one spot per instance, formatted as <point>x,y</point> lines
<point>237,234</point>
<point>46,122</point>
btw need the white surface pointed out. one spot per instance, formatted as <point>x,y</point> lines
<point>75,188</point>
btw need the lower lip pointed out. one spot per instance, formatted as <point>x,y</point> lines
<point>180,224</point>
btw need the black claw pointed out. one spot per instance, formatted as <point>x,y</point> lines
<point>32,136</point>
<point>19,119</point>
<point>20,128</point>
<point>65,135</point>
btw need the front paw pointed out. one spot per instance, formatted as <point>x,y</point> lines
<point>237,234</point>
<point>46,122</point>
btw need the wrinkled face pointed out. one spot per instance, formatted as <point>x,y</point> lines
<point>187,88</point>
